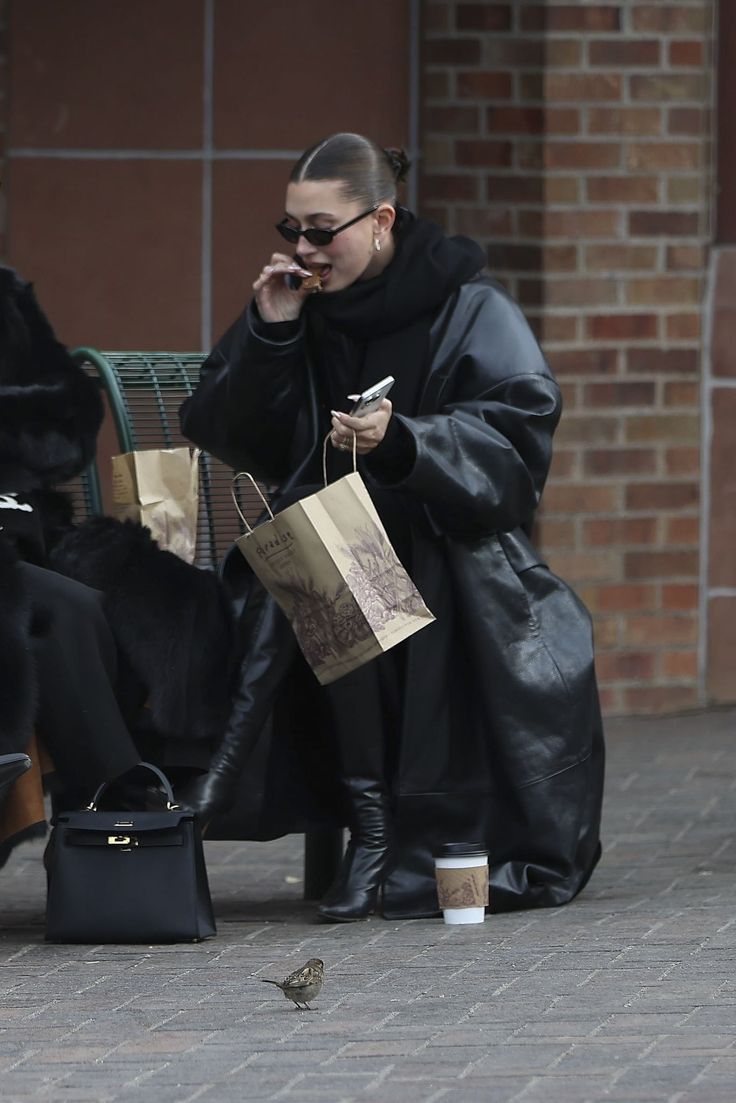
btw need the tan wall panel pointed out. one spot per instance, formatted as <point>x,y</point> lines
<point>106,75</point>
<point>113,247</point>
<point>288,74</point>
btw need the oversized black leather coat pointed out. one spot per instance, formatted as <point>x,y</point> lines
<point>501,736</point>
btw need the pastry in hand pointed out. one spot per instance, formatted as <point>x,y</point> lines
<point>313,282</point>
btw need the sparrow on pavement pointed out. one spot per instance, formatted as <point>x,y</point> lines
<point>303,984</point>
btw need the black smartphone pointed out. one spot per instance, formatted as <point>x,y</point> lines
<point>372,398</point>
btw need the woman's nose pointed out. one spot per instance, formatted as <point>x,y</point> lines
<point>305,248</point>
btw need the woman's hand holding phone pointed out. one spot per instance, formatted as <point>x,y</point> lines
<point>370,429</point>
<point>277,302</point>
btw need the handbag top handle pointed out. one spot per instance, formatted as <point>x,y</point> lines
<point>164,781</point>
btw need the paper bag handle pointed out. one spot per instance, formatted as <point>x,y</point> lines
<point>324,453</point>
<point>259,492</point>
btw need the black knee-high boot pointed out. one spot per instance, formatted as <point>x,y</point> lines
<point>268,654</point>
<point>354,893</point>
<point>357,708</point>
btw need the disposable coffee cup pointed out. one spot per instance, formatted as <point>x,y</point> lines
<point>462,881</point>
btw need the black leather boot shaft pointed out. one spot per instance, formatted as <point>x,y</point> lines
<point>354,893</point>
<point>266,660</point>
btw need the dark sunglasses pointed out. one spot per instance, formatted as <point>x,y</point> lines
<point>320,238</point>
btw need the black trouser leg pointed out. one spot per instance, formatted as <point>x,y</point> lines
<point>356,702</point>
<point>78,717</point>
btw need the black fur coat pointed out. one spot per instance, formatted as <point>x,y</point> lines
<point>171,621</point>
<point>50,412</point>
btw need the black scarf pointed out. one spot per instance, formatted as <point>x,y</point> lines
<point>380,326</point>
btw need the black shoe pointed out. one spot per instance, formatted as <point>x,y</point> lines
<point>355,891</point>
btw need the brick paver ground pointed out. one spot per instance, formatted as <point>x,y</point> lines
<point>627,994</point>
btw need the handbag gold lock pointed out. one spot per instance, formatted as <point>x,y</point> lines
<point>122,840</point>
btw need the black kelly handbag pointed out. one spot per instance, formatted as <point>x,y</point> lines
<point>127,876</point>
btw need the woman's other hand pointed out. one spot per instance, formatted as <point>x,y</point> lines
<point>369,429</point>
<point>276,301</point>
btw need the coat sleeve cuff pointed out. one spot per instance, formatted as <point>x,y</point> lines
<point>392,460</point>
<point>273,333</point>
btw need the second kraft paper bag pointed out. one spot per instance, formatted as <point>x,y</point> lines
<point>159,488</point>
<point>330,566</point>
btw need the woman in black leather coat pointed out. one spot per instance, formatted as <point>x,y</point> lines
<point>485,725</point>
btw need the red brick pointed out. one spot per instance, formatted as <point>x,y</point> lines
<point>658,565</point>
<point>643,52</point>
<point>562,189</point>
<point>452,119</point>
<point>664,291</point>
<point>620,189</point>
<point>659,699</point>
<point>683,428</point>
<point>571,17</point>
<point>436,17</point>
<point>681,258</point>
<point>483,17</point>
<point>482,152</point>
<point>607,633</point>
<point>687,53</point>
<point>581,291</point>
<point>516,189</point>
<point>625,120</point>
<point>584,361</point>
<point>680,596</point>
<point>668,87</point>
<point>532,120</point>
<point>452,51</point>
<point>621,327</point>
<point>686,190</point>
<point>682,461</point>
<point>663,155</point>
<point>513,53</point>
<point>582,498</point>
<point>557,327</point>
<point>563,53</point>
<point>610,698</point>
<point>625,666</point>
<point>657,630</point>
<point>679,664</point>
<point>587,430</point>
<point>583,87</point>
<point>688,120</point>
<point>671,18</point>
<point>581,155</point>
<point>448,187</point>
<point>570,225</point>
<point>683,327</point>
<point>662,495</point>
<point>620,531</point>
<point>620,461</point>
<point>484,221</point>
<point>620,258</point>
<point>684,531</point>
<point>663,223</point>
<point>529,154</point>
<point>435,85</point>
<point>581,566</point>
<point>484,86</point>
<point>564,464</point>
<point>620,598</point>
<point>530,292</point>
<point>665,361</point>
<point>520,257</point>
<point>554,533</point>
<point>682,394</point>
<point>559,258</point>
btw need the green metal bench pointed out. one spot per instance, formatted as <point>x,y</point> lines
<point>144,391</point>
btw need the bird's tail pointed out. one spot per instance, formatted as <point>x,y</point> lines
<point>267,981</point>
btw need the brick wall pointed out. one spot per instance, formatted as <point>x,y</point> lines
<point>3,115</point>
<point>573,140</point>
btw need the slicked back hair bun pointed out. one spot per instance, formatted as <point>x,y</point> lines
<point>369,173</point>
